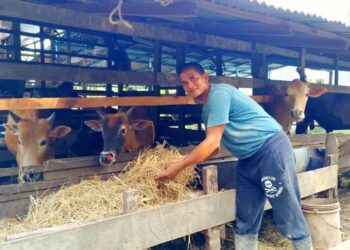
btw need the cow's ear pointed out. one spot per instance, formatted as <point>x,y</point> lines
<point>141,125</point>
<point>13,128</point>
<point>317,91</point>
<point>95,125</point>
<point>60,131</point>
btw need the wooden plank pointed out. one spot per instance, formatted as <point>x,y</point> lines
<point>24,195</point>
<point>74,174</point>
<point>308,139</point>
<point>8,171</point>
<point>319,180</point>
<point>177,9</point>
<point>313,182</point>
<point>344,148</point>
<point>39,72</point>
<point>314,139</point>
<point>12,70</point>
<point>13,208</point>
<point>28,187</point>
<point>137,230</point>
<point>64,17</point>
<point>59,103</point>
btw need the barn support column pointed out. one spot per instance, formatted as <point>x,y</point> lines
<point>336,70</point>
<point>218,64</point>
<point>180,61</point>
<point>157,68</point>
<point>331,158</point>
<point>259,70</point>
<point>301,69</point>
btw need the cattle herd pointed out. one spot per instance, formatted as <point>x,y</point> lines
<point>31,135</point>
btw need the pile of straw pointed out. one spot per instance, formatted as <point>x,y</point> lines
<point>95,199</point>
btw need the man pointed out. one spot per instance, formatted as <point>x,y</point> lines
<point>266,166</point>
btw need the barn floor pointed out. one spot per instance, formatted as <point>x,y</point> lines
<point>269,237</point>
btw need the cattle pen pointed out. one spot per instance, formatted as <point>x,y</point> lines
<point>107,64</point>
<point>205,212</point>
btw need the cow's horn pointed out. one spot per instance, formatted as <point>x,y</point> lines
<point>15,117</point>
<point>51,119</point>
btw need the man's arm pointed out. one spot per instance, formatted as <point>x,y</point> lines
<point>202,152</point>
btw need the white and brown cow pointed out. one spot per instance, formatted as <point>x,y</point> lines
<point>122,132</point>
<point>289,102</point>
<point>31,139</point>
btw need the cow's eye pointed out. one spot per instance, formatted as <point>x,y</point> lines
<point>285,94</point>
<point>123,131</point>
<point>42,143</point>
<point>19,141</point>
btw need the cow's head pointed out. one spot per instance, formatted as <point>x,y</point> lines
<point>120,135</point>
<point>35,138</point>
<point>296,95</point>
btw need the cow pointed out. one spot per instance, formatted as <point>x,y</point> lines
<point>331,111</point>
<point>122,132</point>
<point>31,139</point>
<point>288,106</point>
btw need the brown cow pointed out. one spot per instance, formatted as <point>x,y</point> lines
<point>288,106</point>
<point>121,134</point>
<point>31,139</point>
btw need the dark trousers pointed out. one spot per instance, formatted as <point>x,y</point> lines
<point>270,173</point>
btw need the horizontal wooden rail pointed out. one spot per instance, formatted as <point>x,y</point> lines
<point>149,227</point>
<point>61,103</point>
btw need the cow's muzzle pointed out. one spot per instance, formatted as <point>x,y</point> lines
<point>107,158</point>
<point>297,115</point>
<point>31,176</point>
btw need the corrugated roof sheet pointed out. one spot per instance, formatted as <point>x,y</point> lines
<point>263,8</point>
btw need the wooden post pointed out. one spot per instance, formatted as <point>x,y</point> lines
<point>210,185</point>
<point>157,56</point>
<point>218,64</point>
<point>259,66</point>
<point>130,198</point>
<point>180,61</point>
<point>336,70</point>
<point>259,69</point>
<point>331,158</point>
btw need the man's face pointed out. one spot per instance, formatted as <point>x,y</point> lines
<point>195,84</point>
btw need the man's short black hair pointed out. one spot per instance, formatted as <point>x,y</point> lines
<point>192,65</point>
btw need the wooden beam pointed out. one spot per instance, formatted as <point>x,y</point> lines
<point>39,72</point>
<point>303,42</point>
<point>178,9</point>
<point>63,17</point>
<point>58,103</point>
<point>250,29</point>
<point>23,71</point>
<point>138,230</point>
<point>67,103</point>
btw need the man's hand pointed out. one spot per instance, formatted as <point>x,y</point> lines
<point>170,172</point>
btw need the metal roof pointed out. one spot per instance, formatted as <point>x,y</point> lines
<point>263,8</point>
<point>243,20</point>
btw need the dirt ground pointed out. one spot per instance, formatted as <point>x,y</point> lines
<point>269,237</point>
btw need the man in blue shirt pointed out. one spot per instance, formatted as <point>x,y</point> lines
<point>266,166</point>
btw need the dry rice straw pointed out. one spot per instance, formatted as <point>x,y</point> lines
<point>95,199</point>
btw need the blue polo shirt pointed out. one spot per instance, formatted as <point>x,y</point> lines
<point>248,126</point>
